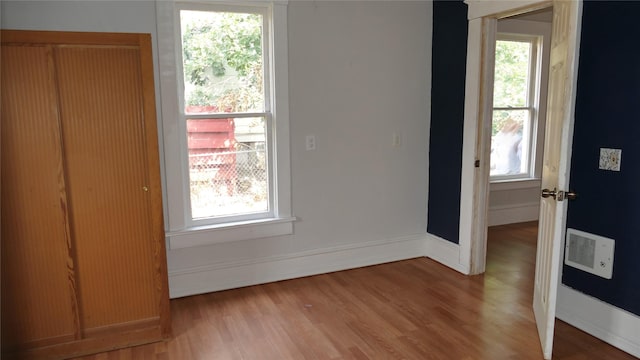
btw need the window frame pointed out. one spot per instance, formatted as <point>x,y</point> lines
<point>532,105</point>
<point>181,229</point>
<point>266,112</point>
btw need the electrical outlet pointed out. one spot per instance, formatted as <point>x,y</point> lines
<point>310,142</point>
<point>396,140</point>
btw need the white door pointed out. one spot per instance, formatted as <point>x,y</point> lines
<point>555,173</point>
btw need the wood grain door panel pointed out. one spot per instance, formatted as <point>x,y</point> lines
<point>83,258</point>
<point>38,297</point>
<point>104,142</point>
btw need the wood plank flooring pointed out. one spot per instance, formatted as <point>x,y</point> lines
<point>412,309</point>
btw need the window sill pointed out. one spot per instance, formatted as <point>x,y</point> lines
<point>514,184</point>
<point>215,234</point>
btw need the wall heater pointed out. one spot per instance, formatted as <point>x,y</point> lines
<point>589,252</point>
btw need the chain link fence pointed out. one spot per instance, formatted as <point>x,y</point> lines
<point>229,182</point>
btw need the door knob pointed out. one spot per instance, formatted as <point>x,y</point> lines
<point>559,195</point>
<point>569,195</point>
<point>548,193</point>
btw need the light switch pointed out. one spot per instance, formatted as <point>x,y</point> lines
<point>610,159</point>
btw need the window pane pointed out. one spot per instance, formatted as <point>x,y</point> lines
<point>227,167</point>
<point>510,142</point>
<point>511,83</point>
<point>222,61</point>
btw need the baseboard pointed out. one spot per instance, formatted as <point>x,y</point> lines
<point>604,321</point>
<point>445,252</point>
<point>235,274</point>
<point>511,214</point>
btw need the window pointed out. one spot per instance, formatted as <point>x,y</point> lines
<point>226,113</point>
<point>226,144</point>
<point>515,97</point>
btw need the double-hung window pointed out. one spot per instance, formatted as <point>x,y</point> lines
<point>515,107</point>
<point>223,71</point>
<point>225,108</point>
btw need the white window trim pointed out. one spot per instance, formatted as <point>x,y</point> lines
<point>531,28</point>
<point>266,113</point>
<point>520,184</point>
<point>532,104</point>
<point>181,232</point>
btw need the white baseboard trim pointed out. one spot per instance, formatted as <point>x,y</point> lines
<point>604,321</point>
<point>235,274</point>
<point>445,252</point>
<point>511,214</point>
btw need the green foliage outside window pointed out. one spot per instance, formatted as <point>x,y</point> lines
<point>511,79</point>
<point>222,60</point>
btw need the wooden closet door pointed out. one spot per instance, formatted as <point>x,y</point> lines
<point>83,256</point>
<point>101,104</point>
<point>38,302</point>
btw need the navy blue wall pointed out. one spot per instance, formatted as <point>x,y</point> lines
<point>447,117</point>
<point>608,115</point>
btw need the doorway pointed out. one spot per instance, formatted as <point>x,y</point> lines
<point>519,117</point>
<point>517,127</point>
<point>557,147</point>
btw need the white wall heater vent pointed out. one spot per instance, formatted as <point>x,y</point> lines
<point>589,252</point>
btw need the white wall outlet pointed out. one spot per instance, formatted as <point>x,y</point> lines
<point>610,159</point>
<point>310,142</point>
<point>396,140</point>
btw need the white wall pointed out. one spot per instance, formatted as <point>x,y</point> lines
<point>359,72</point>
<point>514,202</point>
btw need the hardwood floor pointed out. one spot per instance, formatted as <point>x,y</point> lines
<point>413,309</point>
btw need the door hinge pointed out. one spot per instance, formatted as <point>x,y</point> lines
<point>476,163</point>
